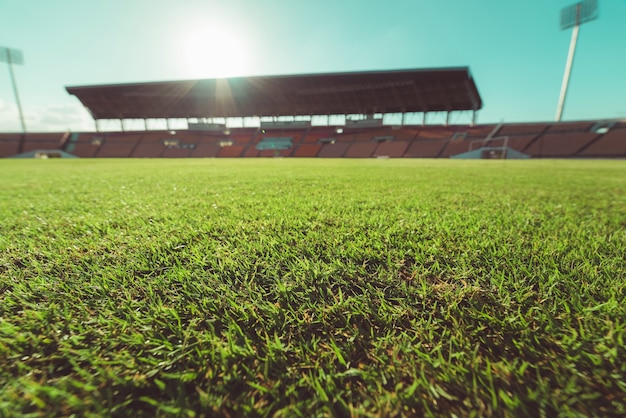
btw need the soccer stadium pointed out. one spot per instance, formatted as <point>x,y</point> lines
<point>325,243</point>
<point>285,106</point>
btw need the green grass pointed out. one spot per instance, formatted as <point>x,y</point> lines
<point>312,287</point>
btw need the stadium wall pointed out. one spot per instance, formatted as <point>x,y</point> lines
<point>587,139</point>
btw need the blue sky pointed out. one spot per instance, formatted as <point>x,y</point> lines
<point>515,50</point>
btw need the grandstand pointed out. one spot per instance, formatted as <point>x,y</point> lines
<point>291,103</point>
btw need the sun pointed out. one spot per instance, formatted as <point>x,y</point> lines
<point>214,52</point>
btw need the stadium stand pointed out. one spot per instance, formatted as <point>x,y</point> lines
<point>274,143</point>
<point>316,133</point>
<point>148,151</point>
<point>368,135</point>
<point>178,152</point>
<point>404,133</point>
<point>560,144</point>
<point>356,93</point>
<point>569,127</point>
<point>84,145</point>
<point>206,150</point>
<point>251,151</point>
<point>435,132</point>
<point>522,129</point>
<point>455,146</point>
<point>243,136</point>
<point>520,142</point>
<point>274,153</point>
<point>231,151</point>
<point>36,141</point>
<point>348,137</point>
<point>118,145</point>
<point>360,150</point>
<point>367,94</point>
<point>8,147</point>
<point>307,150</point>
<point>585,139</point>
<point>612,144</point>
<point>425,149</point>
<point>335,150</point>
<point>394,149</point>
<point>479,132</point>
<point>150,145</point>
<point>9,144</point>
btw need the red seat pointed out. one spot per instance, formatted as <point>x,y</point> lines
<point>560,145</point>
<point>612,144</point>
<point>335,150</point>
<point>360,150</point>
<point>394,149</point>
<point>425,149</point>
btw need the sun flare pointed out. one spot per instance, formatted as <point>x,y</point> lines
<point>214,51</point>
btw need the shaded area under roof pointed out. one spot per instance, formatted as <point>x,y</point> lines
<point>399,91</point>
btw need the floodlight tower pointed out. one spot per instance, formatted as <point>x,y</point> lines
<point>14,56</point>
<point>574,16</point>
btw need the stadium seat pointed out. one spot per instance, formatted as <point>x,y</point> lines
<point>454,147</point>
<point>232,151</point>
<point>118,145</point>
<point>148,150</point>
<point>42,141</point>
<point>307,150</point>
<point>251,151</point>
<point>85,150</point>
<point>206,150</point>
<point>520,142</point>
<point>435,132</point>
<point>9,145</point>
<point>267,142</point>
<point>570,127</point>
<point>181,152</point>
<point>550,140</point>
<point>238,136</point>
<point>560,145</point>
<point>345,137</point>
<point>480,131</point>
<point>274,153</point>
<point>393,149</point>
<point>368,135</point>
<point>319,132</point>
<point>155,137</point>
<point>403,133</point>
<point>612,144</point>
<point>522,129</point>
<point>360,150</point>
<point>425,149</point>
<point>335,150</point>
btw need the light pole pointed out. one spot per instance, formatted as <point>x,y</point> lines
<point>574,16</point>
<point>14,56</point>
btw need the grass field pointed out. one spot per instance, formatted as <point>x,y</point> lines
<point>312,287</point>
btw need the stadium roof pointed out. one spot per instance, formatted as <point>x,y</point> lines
<point>399,91</point>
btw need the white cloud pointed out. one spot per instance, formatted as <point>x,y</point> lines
<point>61,117</point>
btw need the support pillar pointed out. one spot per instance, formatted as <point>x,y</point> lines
<point>568,71</point>
<point>15,92</point>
